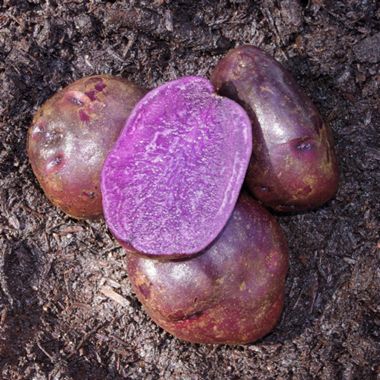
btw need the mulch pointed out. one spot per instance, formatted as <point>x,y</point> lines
<point>66,307</point>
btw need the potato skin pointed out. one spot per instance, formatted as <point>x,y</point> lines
<point>70,136</point>
<point>232,293</point>
<point>293,165</point>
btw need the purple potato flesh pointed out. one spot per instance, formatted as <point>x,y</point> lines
<point>71,135</point>
<point>233,292</point>
<point>293,165</point>
<point>172,179</point>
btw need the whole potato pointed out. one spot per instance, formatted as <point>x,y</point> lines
<point>293,165</point>
<point>233,292</point>
<point>71,135</point>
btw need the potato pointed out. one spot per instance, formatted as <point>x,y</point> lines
<point>71,135</point>
<point>173,177</point>
<point>233,292</point>
<point>293,165</point>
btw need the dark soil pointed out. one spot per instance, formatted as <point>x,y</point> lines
<point>60,317</point>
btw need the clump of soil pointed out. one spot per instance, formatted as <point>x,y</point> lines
<point>66,307</point>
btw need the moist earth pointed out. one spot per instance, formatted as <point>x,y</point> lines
<point>66,306</point>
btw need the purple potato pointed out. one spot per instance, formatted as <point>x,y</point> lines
<point>293,165</point>
<point>232,293</point>
<point>71,135</point>
<point>172,179</point>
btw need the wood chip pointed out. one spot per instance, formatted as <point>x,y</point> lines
<point>113,283</point>
<point>110,293</point>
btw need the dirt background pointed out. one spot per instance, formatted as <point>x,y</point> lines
<point>60,317</point>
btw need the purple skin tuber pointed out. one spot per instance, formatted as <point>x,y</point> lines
<point>71,135</point>
<point>231,293</point>
<point>172,179</point>
<point>293,165</point>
